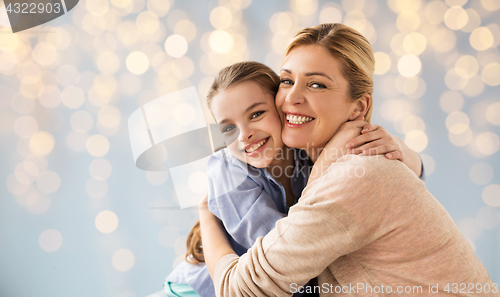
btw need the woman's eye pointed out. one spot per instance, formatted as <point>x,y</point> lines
<point>228,128</point>
<point>286,82</point>
<point>317,86</point>
<point>256,114</point>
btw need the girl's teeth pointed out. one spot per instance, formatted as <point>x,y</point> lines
<point>256,146</point>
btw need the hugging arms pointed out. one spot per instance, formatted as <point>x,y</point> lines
<point>379,227</point>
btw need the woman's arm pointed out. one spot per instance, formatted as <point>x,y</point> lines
<point>335,216</point>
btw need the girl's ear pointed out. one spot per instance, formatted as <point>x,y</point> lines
<point>361,106</point>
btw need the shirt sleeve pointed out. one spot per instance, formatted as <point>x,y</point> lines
<point>244,207</point>
<point>335,216</point>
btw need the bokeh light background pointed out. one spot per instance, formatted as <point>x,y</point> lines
<point>77,218</point>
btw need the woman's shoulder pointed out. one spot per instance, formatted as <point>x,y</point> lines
<point>367,166</point>
<point>365,173</point>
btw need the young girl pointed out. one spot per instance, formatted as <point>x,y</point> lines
<point>273,176</point>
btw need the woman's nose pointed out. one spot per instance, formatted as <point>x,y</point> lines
<point>295,95</point>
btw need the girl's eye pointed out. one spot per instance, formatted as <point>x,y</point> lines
<point>286,82</point>
<point>256,114</point>
<point>317,86</point>
<point>228,128</point>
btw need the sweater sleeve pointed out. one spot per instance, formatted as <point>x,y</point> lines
<point>339,213</point>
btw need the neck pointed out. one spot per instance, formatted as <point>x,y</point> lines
<point>281,168</point>
<point>314,153</point>
<point>283,160</point>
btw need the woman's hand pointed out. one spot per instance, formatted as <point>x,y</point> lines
<point>375,140</point>
<point>336,147</point>
<point>213,237</point>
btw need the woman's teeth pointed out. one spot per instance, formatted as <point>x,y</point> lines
<point>298,119</point>
<point>256,146</point>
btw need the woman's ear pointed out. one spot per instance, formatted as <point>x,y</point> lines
<point>361,106</point>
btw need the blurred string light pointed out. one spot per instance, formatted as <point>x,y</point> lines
<point>106,221</point>
<point>488,218</point>
<point>491,195</point>
<point>50,240</point>
<point>96,188</point>
<point>481,173</point>
<point>382,63</point>
<point>493,114</point>
<point>123,260</point>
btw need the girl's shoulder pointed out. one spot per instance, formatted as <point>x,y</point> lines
<point>226,172</point>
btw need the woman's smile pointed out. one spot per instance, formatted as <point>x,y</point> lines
<point>295,120</point>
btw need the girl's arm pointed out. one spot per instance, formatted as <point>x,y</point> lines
<point>214,239</point>
<point>375,140</point>
<point>336,147</point>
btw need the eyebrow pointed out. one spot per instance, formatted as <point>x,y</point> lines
<point>246,110</point>
<point>308,73</point>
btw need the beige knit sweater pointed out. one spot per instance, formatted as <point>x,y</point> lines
<point>367,226</point>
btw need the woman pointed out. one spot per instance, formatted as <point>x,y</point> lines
<point>364,224</point>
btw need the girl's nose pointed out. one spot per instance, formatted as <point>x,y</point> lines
<point>246,134</point>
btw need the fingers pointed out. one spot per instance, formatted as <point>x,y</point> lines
<point>364,138</point>
<point>203,202</point>
<point>361,117</point>
<point>358,124</point>
<point>369,128</point>
<point>366,147</point>
<point>380,150</point>
<point>395,155</point>
<point>376,148</point>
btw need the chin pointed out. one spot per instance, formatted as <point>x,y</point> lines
<point>260,163</point>
<point>295,141</point>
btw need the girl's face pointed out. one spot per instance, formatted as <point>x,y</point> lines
<point>247,114</point>
<point>313,97</point>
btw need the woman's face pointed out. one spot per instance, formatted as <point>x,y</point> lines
<point>249,120</point>
<point>313,97</point>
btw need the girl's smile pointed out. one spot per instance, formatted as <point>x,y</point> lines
<point>247,114</point>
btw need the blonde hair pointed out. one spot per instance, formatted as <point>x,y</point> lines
<point>350,48</point>
<point>228,77</point>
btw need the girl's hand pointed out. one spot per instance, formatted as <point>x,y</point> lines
<point>206,216</point>
<point>336,147</point>
<point>375,140</point>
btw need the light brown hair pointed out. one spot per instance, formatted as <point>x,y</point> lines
<point>350,48</point>
<point>228,77</point>
<point>232,75</point>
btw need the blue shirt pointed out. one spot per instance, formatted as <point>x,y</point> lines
<point>249,202</point>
